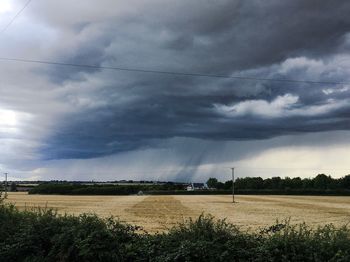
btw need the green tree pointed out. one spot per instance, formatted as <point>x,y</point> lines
<point>345,182</point>
<point>220,185</point>
<point>322,181</point>
<point>297,182</point>
<point>212,182</point>
<point>228,185</point>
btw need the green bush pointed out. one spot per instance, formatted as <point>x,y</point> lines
<point>43,235</point>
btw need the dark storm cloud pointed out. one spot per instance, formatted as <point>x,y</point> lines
<point>114,111</point>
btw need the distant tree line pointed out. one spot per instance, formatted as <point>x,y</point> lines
<point>319,184</point>
<point>98,189</point>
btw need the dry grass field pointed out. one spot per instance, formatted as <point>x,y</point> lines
<point>157,213</point>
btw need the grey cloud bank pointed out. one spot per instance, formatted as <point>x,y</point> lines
<point>81,114</point>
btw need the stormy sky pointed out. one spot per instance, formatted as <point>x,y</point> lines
<point>84,123</point>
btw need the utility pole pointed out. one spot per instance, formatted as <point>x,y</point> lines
<point>5,184</point>
<point>233,184</point>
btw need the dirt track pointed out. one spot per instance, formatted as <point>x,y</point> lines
<point>157,213</point>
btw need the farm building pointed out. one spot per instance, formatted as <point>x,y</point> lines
<point>197,186</point>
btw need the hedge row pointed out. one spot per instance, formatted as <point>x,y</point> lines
<point>81,189</point>
<point>45,236</point>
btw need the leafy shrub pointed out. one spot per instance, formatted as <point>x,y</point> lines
<point>43,235</point>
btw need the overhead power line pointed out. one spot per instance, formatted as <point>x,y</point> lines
<point>15,17</point>
<point>193,74</point>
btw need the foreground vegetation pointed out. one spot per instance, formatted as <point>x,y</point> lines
<point>42,235</point>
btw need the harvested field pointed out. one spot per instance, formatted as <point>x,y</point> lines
<point>157,213</point>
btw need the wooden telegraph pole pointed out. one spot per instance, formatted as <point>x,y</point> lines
<point>233,184</point>
<point>6,185</point>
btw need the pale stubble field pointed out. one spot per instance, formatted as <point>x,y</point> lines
<point>157,213</point>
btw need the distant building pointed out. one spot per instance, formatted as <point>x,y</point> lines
<point>197,186</point>
<point>189,188</point>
